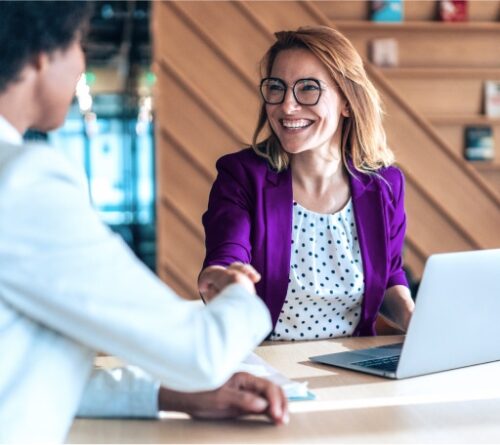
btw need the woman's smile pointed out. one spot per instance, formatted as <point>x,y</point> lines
<point>295,124</point>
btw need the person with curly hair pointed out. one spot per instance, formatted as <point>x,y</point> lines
<point>70,288</point>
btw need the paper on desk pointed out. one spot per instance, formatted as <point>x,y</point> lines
<point>255,365</point>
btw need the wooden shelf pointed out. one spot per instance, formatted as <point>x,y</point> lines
<point>361,25</point>
<point>414,10</point>
<point>485,166</point>
<point>452,72</point>
<point>463,120</point>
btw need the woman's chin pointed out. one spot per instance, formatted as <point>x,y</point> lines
<point>294,149</point>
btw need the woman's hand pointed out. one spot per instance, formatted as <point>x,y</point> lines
<point>214,279</point>
<point>398,307</point>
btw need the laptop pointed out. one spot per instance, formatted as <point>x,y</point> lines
<point>455,323</point>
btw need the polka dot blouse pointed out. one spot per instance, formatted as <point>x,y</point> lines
<point>325,286</point>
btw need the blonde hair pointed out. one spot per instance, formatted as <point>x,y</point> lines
<point>363,137</point>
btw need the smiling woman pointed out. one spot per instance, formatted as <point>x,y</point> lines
<point>316,208</point>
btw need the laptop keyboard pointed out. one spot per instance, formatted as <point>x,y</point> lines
<point>383,364</point>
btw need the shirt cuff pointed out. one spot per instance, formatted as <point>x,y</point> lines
<point>120,392</point>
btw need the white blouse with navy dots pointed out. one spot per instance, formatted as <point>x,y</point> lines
<point>326,285</point>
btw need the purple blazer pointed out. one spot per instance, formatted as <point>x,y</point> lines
<point>249,219</point>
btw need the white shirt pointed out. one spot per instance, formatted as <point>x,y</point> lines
<point>69,288</point>
<point>325,285</point>
<point>9,134</point>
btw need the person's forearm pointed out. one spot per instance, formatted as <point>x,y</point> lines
<point>398,306</point>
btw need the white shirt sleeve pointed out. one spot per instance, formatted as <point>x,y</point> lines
<point>120,392</point>
<point>63,268</point>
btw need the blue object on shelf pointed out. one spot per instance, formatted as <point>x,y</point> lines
<point>388,11</point>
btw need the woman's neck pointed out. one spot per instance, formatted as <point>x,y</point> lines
<point>320,181</point>
<point>316,172</point>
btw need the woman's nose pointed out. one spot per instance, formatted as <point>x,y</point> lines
<point>289,102</point>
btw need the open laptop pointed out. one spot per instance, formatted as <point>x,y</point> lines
<point>455,323</point>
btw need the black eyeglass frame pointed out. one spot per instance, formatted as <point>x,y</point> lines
<point>320,88</point>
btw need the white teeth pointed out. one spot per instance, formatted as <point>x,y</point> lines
<point>295,123</point>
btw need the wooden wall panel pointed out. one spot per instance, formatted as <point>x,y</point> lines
<point>178,167</point>
<point>181,247</point>
<point>437,94</point>
<point>202,135</point>
<point>430,226</point>
<point>206,58</point>
<point>279,16</point>
<point>211,18</point>
<point>491,173</point>
<point>344,10</point>
<point>213,80</point>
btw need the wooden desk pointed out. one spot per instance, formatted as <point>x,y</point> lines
<point>459,406</point>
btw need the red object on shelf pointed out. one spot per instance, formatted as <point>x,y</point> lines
<point>453,10</point>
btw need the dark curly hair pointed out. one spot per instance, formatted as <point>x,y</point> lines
<point>28,28</point>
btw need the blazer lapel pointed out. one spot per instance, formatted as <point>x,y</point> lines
<point>278,199</point>
<point>370,224</point>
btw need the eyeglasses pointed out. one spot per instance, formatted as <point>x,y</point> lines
<point>305,91</point>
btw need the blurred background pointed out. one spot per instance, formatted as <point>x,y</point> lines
<point>109,130</point>
<point>172,86</point>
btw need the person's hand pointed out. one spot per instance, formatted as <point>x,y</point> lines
<point>214,279</point>
<point>242,394</point>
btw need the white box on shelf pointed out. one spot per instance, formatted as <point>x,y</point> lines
<point>492,98</point>
<point>384,52</point>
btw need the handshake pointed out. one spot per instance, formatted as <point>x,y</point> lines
<point>213,279</point>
